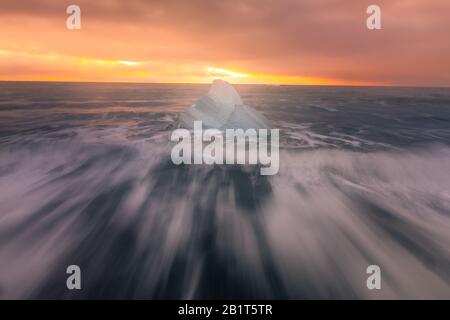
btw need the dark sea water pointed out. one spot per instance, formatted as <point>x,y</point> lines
<point>86,179</point>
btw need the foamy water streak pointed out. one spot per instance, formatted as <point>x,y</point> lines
<point>146,228</point>
<point>99,190</point>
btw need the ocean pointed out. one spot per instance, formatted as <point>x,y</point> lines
<point>86,179</point>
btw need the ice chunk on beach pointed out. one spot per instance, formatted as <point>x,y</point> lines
<point>222,108</point>
<point>224,94</point>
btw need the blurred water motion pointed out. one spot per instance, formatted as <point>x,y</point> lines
<point>86,179</point>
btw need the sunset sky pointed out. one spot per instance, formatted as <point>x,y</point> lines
<point>246,41</point>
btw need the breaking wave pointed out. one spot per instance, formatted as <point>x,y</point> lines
<point>141,227</point>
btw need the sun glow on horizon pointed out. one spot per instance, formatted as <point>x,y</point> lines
<point>160,42</point>
<point>59,67</point>
<point>128,63</point>
<point>226,73</point>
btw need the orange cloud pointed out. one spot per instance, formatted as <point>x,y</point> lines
<point>248,41</point>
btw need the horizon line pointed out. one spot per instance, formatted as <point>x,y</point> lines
<point>234,84</point>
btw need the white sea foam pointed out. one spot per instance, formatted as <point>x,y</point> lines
<point>309,231</point>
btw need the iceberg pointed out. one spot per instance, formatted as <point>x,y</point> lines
<point>222,108</point>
